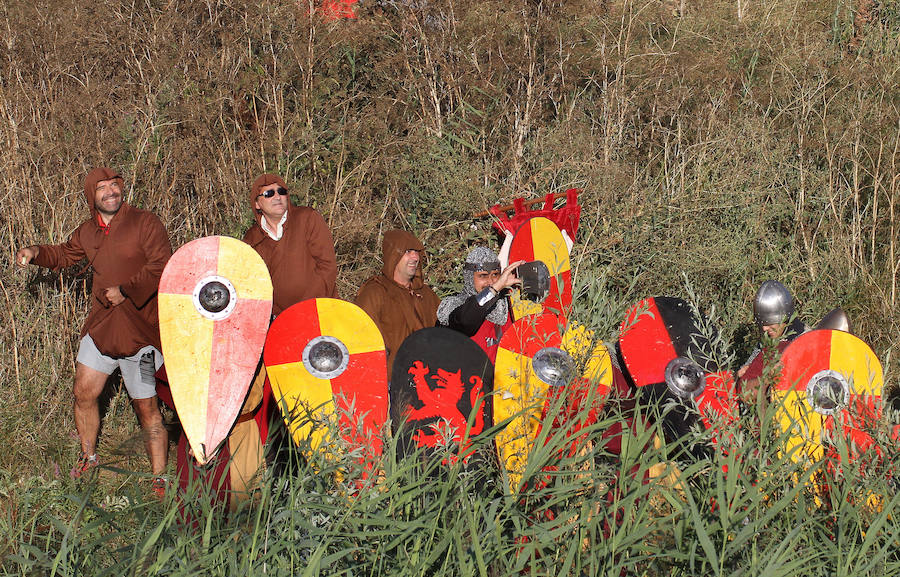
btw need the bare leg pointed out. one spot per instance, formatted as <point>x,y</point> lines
<point>89,384</point>
<point>156,437</point>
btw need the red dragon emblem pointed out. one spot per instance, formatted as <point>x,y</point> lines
<point>440,406</point>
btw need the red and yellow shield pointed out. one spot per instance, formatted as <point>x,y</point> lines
<point>215,300</point>
<point>537,362</point>
<point>540,239</point>
<point>831,383</point>
<point>325,358</point>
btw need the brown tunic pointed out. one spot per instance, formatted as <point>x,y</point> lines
<point>132,255</point>
<point>398,311</point>
<point>302,263</point>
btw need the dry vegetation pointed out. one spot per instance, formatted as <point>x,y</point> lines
<point>721,142</point>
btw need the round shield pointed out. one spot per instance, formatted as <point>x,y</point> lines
<point>654,333</point>
<point>440,390</point>
<point>215,300</point>
<point>325,357</point>
<point>536,361</point>
<point>667,357</point>
<point>539,239</point>
<point>830,384</point>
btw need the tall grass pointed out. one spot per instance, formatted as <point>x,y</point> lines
<point>721,142</point>
<point>750,509</point>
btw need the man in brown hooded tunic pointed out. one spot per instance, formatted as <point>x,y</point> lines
<point>398,300</point>
<point>296,245</point>
<point>127,249</point>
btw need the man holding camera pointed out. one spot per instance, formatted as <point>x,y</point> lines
<point>481,311</point>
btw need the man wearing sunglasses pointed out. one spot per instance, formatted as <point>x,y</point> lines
<point>296,245</point>
<point>294,242</point>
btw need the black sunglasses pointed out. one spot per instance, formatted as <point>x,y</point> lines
<point>270,193</point>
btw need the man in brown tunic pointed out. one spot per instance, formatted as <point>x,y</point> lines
<point>294,242</point>
<point>398,300</point>
<point>127,249</point>
<point>296,245</point>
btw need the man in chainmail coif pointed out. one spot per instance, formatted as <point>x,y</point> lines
<point>481,311</point>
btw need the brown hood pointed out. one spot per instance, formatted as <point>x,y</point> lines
<point>394,246</point>
<point>261,181</point>
<point>99,174</point>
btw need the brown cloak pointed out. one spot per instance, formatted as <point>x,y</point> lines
<point>132,254</point>
<point>398,311</point>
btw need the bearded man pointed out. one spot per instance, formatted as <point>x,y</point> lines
<point>481,311</point>
<point>127,248</point>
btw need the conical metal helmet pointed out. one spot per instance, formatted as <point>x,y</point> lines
<point>836,320</point>
<point>773,303</point>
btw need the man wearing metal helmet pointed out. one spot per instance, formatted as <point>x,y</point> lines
<point>481,311</point>
<point>773,309</point>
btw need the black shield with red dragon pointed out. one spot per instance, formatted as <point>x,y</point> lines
<point>440,392</point>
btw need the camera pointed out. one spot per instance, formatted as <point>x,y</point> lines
<point>535,277</point>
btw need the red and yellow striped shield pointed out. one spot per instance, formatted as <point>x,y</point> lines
<point>830,381</point>
<point>540,239</point>
<point>215,300</point>
<point>521,386</point>
<point>325,357</point>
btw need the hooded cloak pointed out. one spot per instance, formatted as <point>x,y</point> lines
<point>397,310</point>
<point>131,252</point>
<point>302,262</point>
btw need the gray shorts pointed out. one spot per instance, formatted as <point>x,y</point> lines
<point>138,370</point>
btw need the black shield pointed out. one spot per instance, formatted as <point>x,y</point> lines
<point>440,391</point>
<point>657,331</point>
